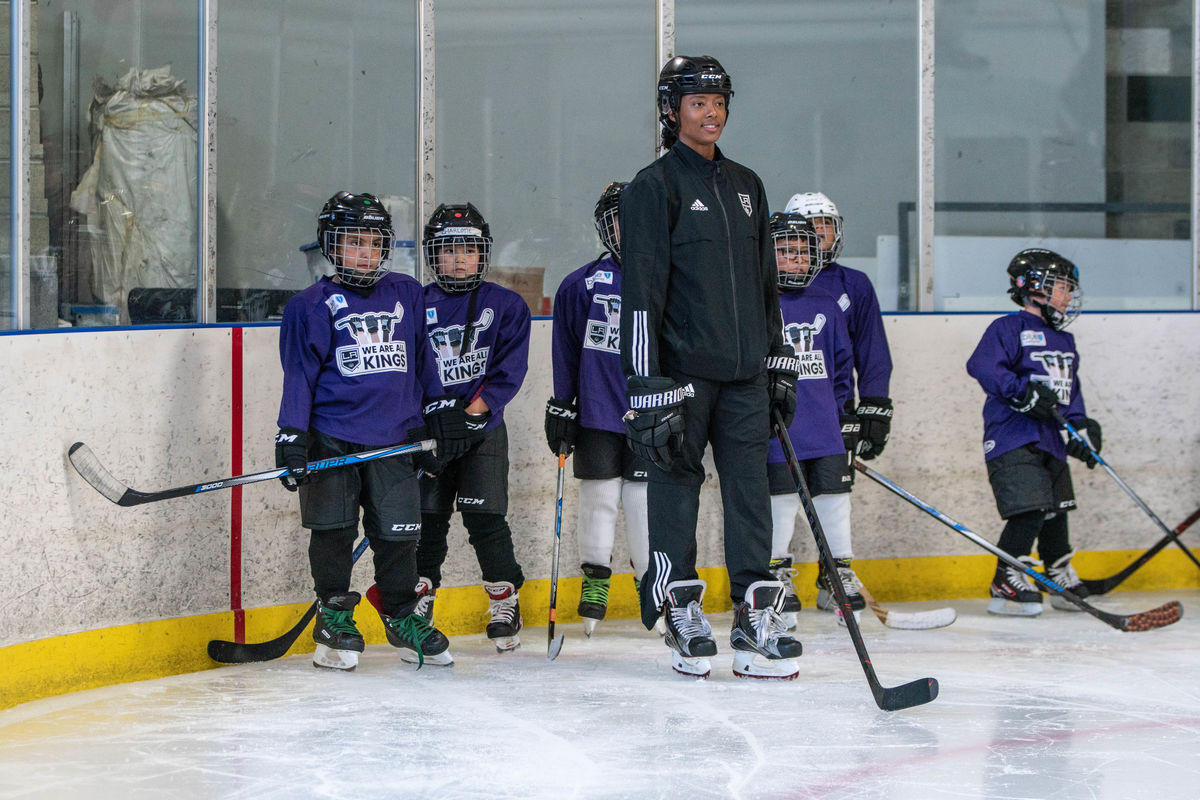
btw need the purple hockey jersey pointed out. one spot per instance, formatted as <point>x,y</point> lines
<point>492,365</point>
<point>856,296</point>
<point>586,344</point>
<point>355,367</point>
<point>1016,349</point>
<point>814,325</point>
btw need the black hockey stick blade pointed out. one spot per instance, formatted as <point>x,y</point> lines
<point>1162,616</point>
<point>246,652</point>
<point>915,693</point>
<point>1098,586</point>
<point>89,467</point>
<point>224,652</point>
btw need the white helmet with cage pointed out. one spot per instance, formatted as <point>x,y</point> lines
<point>818,209</point>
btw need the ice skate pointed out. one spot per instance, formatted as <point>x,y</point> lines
<point>784,572</point>
<point>418,641</point>
<point>1062,573</point>
<point>593,596</point>
<point>338,640</point>
<point>688,633</point>
<point>1013,593</point>
<point>505,612</point>
<point>827,601</point>
<point>762,648</point>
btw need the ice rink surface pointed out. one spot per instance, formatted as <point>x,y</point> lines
<point>1060,706</point>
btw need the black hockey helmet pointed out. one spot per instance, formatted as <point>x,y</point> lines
<point>795,238</point>
<point>690,75</point>
<point>457,226</point>
<point>359,221</point>
<point>606,218</point>
<point>1033,277</point>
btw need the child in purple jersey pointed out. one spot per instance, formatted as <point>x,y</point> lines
<point>585,415</point>
<point>814,326</point>
<point>354,366</point>
<point>866,426</point>
<point>478,338</point>
<point>1029,367</point>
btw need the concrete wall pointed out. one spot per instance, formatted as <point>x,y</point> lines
<point>155,406</point>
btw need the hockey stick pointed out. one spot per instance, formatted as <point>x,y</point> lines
<point>243,653</point>
<point>87,465</point>
<point>1106,585</point>
<point>554,646</point>
<point>910,621</point>
<point>1077,436</point>
<point>915,693</point>
<point>1159,617</point>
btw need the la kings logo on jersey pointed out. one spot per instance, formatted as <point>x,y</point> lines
<point>1060,371</point>
<point>458,364</point>
<point>373,349</point>
<point>605,334</point>
<point>802,337</point>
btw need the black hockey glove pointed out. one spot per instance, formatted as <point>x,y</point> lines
<point>447,422</point>
<point>425,461</point>
<point>875,415</point>
<point>851,432</point>
<point>562,425</point>
<point>291,451</point>
<point>1077,449</point>
<point>783,370</point>
<point>654,424</point>
<point>1038,402</point>
<point>477,427</point>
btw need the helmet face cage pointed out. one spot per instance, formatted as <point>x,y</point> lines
<point>355,234</point>
<point>457,247</point>
<point>690,75</point>
<point>1039,277</point>
<point>796,245</point>
<point>606,218</point>
<point>824,216</point>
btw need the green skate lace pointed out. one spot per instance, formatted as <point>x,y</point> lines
<point>339,621</point>
<point>415,629</point>
<point>595,590</point>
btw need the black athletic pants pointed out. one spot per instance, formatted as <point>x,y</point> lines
<point>733,417</point>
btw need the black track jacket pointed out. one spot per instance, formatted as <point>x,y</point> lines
<point>700,290</point>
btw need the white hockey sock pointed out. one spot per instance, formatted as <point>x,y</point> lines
<point>833,510</point>
<point>783,522</point>
<point>637,525</point>
<point>598,520</point>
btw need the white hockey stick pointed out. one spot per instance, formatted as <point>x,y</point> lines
<point>910,620</point>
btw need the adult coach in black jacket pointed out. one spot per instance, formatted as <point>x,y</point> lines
<point>702,348</point>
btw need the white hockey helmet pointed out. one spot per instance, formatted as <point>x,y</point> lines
<point>817,206</point>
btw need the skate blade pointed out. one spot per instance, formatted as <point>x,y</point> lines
<point>507,644</point>
<point>790,619</point>
<point>754,665</point>
<point>842,621</point>
<point>325,657</point>
<point>442,659</point>
<point>1011,608</point>
<point>660,626</point>
<point>1057,601</point>
<point>589,625</point>
<point>691,667</point>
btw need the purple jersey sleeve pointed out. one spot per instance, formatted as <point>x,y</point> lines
<point>856,296</point>
<point>587,345</point>
<point>350,363</point>
<point>1016,349</point>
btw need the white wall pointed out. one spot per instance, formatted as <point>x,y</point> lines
<point>154,406</point>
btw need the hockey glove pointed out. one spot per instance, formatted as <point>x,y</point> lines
<point>425,461</point>
<point>875,415</point>
<point>783,370</point>
<point>477,427</point>
<point>1038,402</point>
<point>562,425</point>
<point>654,424</point>
<point>291,451</point>
<point>1077,449</point>
<point>447,422</point>
<point>851,432</point>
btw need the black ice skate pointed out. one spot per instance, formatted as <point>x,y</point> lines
<point>689,635</point>
<point>419,642</point>
<point>593,596</point>
<point>505,612</point>
<point>827,601</point>
<point>1013,593</point>
<point>1062,573</point>
<point>338,640</point>
<point>783,571</point>
<point>762,648</point>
